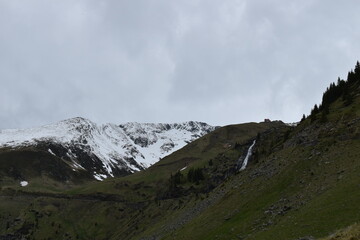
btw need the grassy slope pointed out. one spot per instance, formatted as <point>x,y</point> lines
<point>44,172</point>
<point>308,187</point>
<point>349,233</point>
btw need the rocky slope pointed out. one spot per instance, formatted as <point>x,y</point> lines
<point>108,149</point>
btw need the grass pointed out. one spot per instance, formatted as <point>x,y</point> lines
<point>351,232</point>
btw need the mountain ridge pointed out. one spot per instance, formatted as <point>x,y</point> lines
<point>106,150</point>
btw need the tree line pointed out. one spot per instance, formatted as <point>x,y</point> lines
<point>194,175</point>
<point>340,89</point>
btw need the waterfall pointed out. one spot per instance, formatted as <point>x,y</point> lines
<point>248,155</point>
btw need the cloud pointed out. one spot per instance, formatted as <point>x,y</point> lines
<point>161,61</point>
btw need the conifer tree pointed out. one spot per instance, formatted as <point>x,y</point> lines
<point>357,72</point>
<point>315,110</point>
<point>195,175</point>
<point>357,68</point>
<point>351,77</point>
<point>303,118</point>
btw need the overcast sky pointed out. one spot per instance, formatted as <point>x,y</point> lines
<point>216,61</point>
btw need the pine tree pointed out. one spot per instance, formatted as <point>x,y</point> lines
<point>357,68</point>
<point>195,175</point>
<point>315,110</point>
<point>303,118</point>
<point>351,78</point>
<point>357,72</point>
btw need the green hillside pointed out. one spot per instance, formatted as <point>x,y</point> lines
<point>46,172</point>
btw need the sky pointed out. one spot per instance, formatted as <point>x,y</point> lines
<point>220,62</point>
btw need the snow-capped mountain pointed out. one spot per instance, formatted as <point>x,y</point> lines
<point>108,149</point>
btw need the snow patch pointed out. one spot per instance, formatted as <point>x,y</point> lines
<point>183,168</point>
<point>24,183</point>
<point>51,152</point>
<point>294,124</point>
<point>77,166</point>
<point>100,177</point>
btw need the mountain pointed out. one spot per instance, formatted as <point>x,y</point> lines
<point>108,149</point>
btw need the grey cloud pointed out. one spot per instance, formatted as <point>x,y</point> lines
<point>163,61</point>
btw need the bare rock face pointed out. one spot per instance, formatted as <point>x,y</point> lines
<point>109,149</point>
